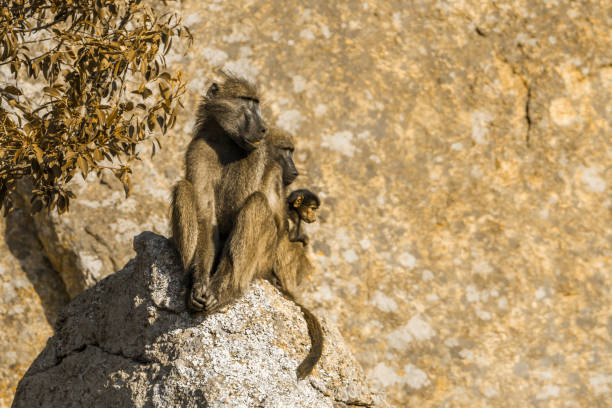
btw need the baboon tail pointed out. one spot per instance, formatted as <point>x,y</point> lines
<point>184,221</point>
<point>316,349</point>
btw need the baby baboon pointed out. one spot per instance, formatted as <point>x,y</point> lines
<point>302,206</point>
<point>224,167</point>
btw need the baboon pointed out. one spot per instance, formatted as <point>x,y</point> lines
<point>302,205</point>
<point>224,168</point>
<point>291,263</point>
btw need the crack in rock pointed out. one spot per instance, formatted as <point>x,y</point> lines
<point>528,110</point>
<point>528,113</point>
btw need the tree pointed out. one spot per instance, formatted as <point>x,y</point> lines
<point>101,67</point>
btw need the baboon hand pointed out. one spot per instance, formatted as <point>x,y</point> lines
<point>196,300</point>
<point>202,299</point>
<point>212,303</point>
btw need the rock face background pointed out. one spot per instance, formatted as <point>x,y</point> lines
<point>462,150</point>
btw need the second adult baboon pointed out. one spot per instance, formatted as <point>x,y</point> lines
<point>291,262</point>
<point>251,244</point>
<point>302,206</point>
<point>224,167</point>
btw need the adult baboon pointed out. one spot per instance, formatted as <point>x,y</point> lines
<point>291,262</point>
<point>224,167</point>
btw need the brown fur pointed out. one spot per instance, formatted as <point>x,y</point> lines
<point>264,220</point>
<point>251,245</point>
<point>230,210</point>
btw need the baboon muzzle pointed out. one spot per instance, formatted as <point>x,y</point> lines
<point>290,176</point>
<point>258,133</point>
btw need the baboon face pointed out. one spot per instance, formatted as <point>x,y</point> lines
<point>239,116</point>
<point>306,204</point>
<point>282,147</point>
<point>308,213</point>
<point>285,158</point>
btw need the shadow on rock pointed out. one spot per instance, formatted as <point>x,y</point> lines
<point>20,237</point>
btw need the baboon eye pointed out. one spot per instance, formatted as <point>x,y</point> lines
<point>248,98</point>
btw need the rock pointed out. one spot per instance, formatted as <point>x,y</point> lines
<point>129,341</point>
<point>31,294</point>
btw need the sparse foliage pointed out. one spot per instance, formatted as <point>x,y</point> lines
<point>104,89</point>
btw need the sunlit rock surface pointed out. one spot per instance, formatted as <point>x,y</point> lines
<point>130,342</point>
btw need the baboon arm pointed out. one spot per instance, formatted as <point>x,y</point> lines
<point>303,238</point>
<point>291,263</point>
<point>194,219</point>
<point>194,237</point>
<point>300,258</point>
<point>184,221</point>
<point>248,252</point>
<point>286,264</point>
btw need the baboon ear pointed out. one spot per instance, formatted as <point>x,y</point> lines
<point>298,201</point>
<point>212,91</point>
